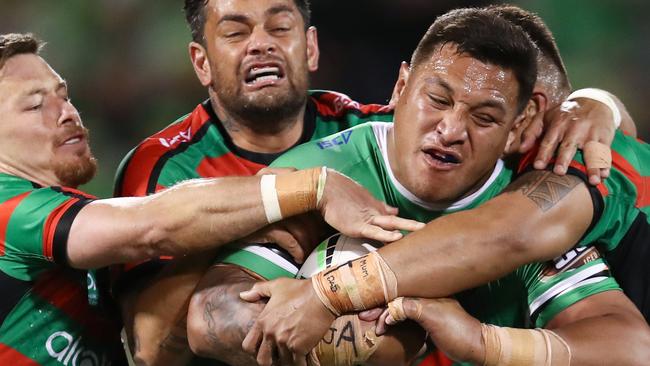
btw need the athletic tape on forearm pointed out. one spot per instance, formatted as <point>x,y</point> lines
<point>291,194</point>
<point>597,155</point>
<point>356,348</point>
<point>601,96</point>
<point>523,347</point>
<point>361,284</point>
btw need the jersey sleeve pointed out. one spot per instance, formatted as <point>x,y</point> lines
<point>556,285</point>
<point>36,226</point>
<point>624,195</point>
<point>617,200</point>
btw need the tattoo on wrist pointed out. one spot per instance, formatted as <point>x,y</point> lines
<point>544,188</point>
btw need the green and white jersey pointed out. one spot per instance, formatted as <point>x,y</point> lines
<point>50,314</point>
<point>530,296</point>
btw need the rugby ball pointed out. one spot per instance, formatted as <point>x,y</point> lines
<point>335,250</point>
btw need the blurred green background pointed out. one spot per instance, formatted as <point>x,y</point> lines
<point>129,73</point>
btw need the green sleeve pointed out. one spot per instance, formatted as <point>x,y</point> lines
<point>556,285</point>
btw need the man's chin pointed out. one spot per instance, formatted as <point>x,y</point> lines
<point>77,172</point>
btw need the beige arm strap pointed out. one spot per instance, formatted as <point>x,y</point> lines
<point>523,347</point>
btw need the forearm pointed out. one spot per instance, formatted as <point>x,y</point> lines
<point>191,217</point>
<point>218,319</point>
<point>158,311</point>
<point>201,215</point>
<point>539,218</point>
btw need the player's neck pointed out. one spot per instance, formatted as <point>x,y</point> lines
<point>268,137</point>
<point>45,179</point>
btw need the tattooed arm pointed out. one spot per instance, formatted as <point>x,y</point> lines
<point>538,217</point>
<point>218,321</point>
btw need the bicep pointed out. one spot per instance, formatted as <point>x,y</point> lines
<point>547,213</point>
<point>106,232</point>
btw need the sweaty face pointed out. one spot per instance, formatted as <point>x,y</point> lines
<point>42,137</point>
<point>453,116</point>
<point>260,57</point>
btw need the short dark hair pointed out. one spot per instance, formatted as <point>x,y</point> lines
<point>195,16</point>
<point>538,32</point>
<point>12,44</point>
<point>487,38</point>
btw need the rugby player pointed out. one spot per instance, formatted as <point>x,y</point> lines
<point>252,116</point>
<point>454,114</point>
<point>53,235</point>
<point>254,59</point>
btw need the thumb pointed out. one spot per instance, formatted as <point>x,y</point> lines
<point>259,291</point>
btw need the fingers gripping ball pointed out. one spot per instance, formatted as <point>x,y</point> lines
<point>346,343</point>
<point>361,284</point>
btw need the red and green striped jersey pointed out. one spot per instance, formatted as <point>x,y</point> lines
<point>621,224</point>
<point>50,314</point>
<point>198,146</point>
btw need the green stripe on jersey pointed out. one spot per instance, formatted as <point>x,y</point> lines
<point>267,265</point>
<point>626,186</point>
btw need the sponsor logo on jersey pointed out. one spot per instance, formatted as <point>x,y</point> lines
<point>69,351</point>
<point>342,101</point>
<point>570,260</point>
<point>340,139</point>
<point>183,136</point>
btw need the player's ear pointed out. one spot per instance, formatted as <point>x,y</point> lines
<point>200,62</point>
<point>313,52</point>
<point>529,120</point>
<point>402,78</point>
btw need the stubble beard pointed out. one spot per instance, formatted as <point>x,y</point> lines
<point>75,172</point>
<point>265,111</point>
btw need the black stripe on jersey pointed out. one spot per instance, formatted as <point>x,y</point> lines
<point>13,290</point>
<point>596,198</point>
<point>543,306</point>
<point>308,130</point>
<point>71,194</point>
<point>630,264</point>
<point>62,231</point>
<point>282,253</point>
<point>157,169</point>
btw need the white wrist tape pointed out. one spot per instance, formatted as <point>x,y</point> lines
<point>322,179</point>
<point>601,96</point>
<point>270,199</point>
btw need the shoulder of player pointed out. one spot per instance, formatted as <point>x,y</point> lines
<point>150,156</point>
<point>331,104</point>
<point>346,147</point>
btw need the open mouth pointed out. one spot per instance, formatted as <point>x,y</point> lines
<point>443,157</point>
<point>260,74</point>
<point>73,139</point>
